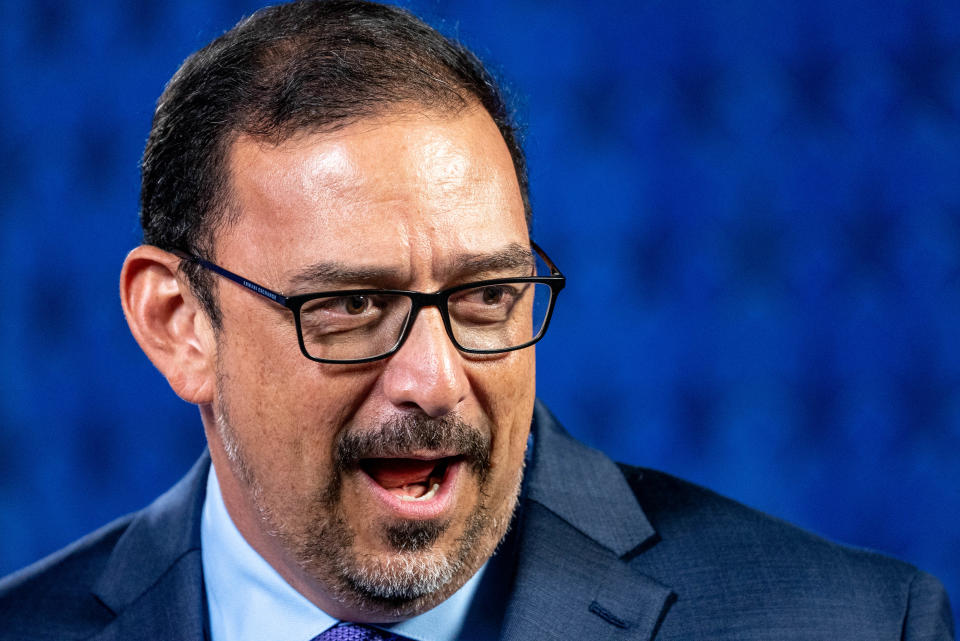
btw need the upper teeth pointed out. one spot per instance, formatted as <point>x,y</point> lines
<point>428,495</point>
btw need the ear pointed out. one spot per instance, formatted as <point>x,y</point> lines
<point>169,323</point>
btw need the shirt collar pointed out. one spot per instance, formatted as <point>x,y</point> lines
<point>248,600</point>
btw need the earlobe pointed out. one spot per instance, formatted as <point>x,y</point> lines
<point>168,322</point>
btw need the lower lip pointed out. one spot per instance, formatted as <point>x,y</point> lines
<point>431,508</point>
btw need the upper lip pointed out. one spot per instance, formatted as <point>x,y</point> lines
<point>419,455</point>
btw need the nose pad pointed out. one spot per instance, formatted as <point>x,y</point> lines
<point>427,371</point>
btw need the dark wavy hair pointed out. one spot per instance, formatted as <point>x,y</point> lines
<point>305,66</point>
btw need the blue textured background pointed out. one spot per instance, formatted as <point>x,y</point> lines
<point>757,205</point>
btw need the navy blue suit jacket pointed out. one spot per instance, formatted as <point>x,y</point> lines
<point>603,551</point>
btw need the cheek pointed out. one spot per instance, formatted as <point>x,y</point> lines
<point>286,408</point>
<point>507,387</point>
<point>506,390</point>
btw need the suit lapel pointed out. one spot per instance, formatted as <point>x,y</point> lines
<point>579,518</point>
<point>173,608</point>
<point>153,581</point>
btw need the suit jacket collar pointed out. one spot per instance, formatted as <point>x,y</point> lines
<point>153,580</point>
<point>580,525</point>
<point>583,487</point>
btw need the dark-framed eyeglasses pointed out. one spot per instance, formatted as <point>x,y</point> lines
<point>363,325</point>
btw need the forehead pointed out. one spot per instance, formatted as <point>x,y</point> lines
<point>400,188</point>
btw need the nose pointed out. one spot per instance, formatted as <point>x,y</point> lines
<point>427,372</point>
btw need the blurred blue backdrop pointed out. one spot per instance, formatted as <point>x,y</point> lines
<point>757,205</point>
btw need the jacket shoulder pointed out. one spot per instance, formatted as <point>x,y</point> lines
<point>52,599</point>
<point>729,563</point>
<point>684,513</point>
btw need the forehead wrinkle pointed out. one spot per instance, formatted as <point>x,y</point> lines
<point>335,174</point>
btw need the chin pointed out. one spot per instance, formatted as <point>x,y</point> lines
<point>401,568</point>
<point>421,563</point>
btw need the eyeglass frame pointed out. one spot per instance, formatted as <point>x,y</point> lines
<point>418,300</point>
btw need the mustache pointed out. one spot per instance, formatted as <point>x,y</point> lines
<point>404,434</point>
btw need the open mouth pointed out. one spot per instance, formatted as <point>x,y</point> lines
<point>409,479</point>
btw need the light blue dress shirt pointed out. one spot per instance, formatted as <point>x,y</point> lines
<point>249,601</point>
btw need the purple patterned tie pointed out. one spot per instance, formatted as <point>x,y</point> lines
<point>356,632</point>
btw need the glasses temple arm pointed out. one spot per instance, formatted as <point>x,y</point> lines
<point>546,259</point>
<point>240,280</point>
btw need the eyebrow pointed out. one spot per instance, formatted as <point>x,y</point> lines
<point>513,256</point>
<point>333,273</point>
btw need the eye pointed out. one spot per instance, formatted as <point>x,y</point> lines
<point>484,304</point>
<point>356,304</point>
<point>492,295</point>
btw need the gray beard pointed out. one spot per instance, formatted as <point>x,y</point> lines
<point>416,577</point>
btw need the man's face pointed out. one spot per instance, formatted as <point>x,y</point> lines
<point>324,467</point>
